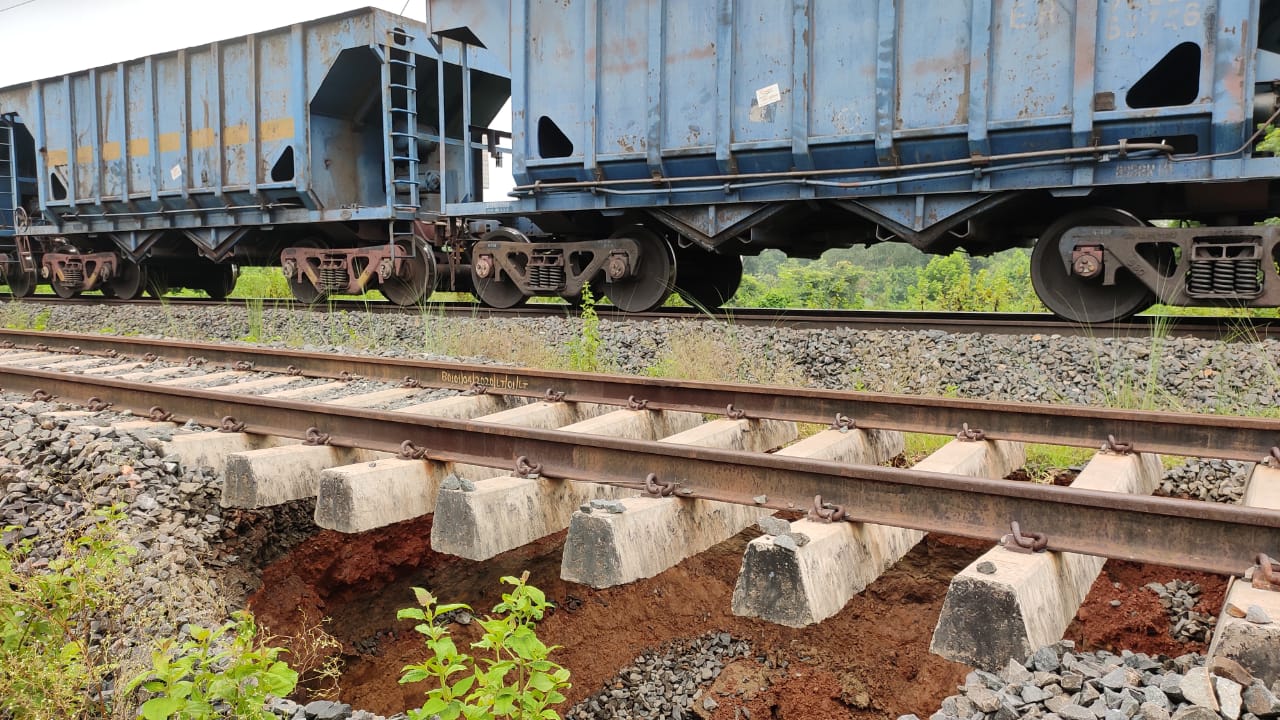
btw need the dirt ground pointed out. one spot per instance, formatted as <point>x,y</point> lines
<point>870,661</point>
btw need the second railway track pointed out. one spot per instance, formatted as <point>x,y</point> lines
<point>1226,328</point>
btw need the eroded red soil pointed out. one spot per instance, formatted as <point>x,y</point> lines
<point>870,661</point>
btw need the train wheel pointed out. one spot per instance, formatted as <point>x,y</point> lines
<point>416,282</point>
<point>302,289</point>
<point>492,290</point>
<point>129,282</point>
<point>21,284</point>
<point>655,274</point>
<point>1079,299</point>
<point>707,280</point>
<point>221,281</point>
<point>62,289</point>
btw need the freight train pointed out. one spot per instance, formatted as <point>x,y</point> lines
<point>654,144</point>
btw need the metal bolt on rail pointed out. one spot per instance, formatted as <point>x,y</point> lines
<point>1018,541</point>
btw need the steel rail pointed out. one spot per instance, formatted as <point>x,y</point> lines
<point>1211,436</point>
<point>1203,536</point>
<point>1223,328</point>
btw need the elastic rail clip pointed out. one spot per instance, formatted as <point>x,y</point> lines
<point>1267,575</point>
<point>313,436</point>
<point>159,414</point>
<point>526,469</point>
<point>244,366</point>
<point>409,451</point>
<point>827,512</point>
<point>97,404</point>
<point>635,404</point>
<point>843,423</point>
<point>734,413</point>
<point>476,389</point>
<point>1017,541</point>
<point>230,425</point>
<point>553,396</point>
<point>968,435</point>
<point>410,383</point>
<point>657,489</point>
<point>1111,445</point>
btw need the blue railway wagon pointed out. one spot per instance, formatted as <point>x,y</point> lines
<point>329,145</point>
<point>714,128</point>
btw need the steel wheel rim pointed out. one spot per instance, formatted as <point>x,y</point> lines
<point>491,291</point>
<point>1076,299</point>
<point>707,280</point>
<point>655,274</point>
<point>129,282</point>
<point>418,286</point>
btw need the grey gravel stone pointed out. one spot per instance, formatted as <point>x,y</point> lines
<point>1256,615</point>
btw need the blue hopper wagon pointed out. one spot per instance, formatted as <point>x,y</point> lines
<point>329,146</point>
<point>656,142</point>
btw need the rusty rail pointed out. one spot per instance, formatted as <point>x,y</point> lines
<point>1194,535</point>
<point>1215,436</point>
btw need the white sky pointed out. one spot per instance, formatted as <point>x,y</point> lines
<point>43,38</point>
<point>53,37</point>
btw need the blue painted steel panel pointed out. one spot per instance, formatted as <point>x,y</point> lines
<point>727,87</point>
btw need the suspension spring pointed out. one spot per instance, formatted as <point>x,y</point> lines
<point>1200,280</point>
<point>333,278</point>
<point>546,277</point>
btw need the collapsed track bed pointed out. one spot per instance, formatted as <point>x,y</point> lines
<point>338,576</point>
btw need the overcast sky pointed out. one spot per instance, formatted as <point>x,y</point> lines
<point>44,38</point>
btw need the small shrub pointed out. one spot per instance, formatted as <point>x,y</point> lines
<point>586,351</point>
<point>514,679</point>
<point>220,672</point>
<point>53,648</point>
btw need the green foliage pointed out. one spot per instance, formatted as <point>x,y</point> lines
<point>586,351</point>
<point>51,663</point>
<point>220,672</point>
<point>514,677</point>
<point>890,276</point>
<point>1270,141</point>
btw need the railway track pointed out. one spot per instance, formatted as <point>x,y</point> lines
<point>1229,329</point>
<point>489,449</point>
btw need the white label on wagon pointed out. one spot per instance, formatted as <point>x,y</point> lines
<point>766,96</point>
<point>175,172</point>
